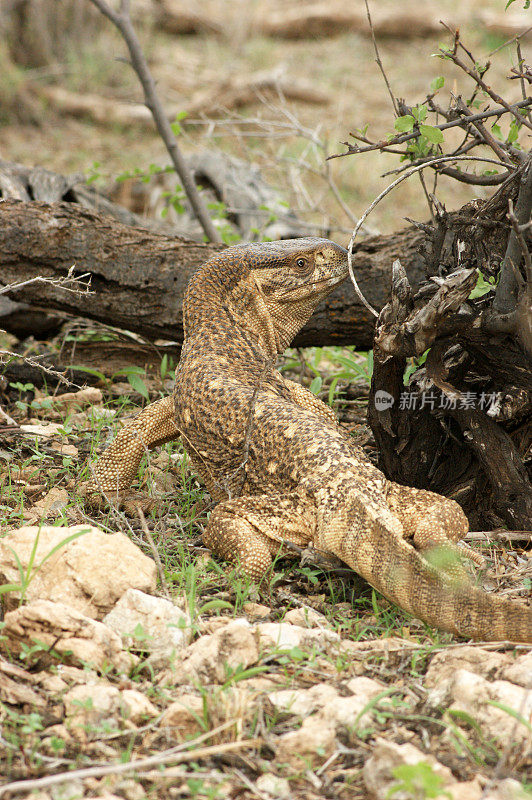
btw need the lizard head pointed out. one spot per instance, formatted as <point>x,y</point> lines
<point>299,274</point>
<point>271,288</point>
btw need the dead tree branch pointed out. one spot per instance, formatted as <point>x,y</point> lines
<point>506,294</point>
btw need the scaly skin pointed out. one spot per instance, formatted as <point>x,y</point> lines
<point>274,457</point>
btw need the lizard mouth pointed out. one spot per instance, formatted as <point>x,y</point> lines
<point>332,280</point>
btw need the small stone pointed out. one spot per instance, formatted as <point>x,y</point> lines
<point>507,789</point>
<point>283,636</point>
<point>50,506</point>
<point>90,708</point>
<point>467,790</point>
<point>256,611</point>
<point>345,711</point>
<point>444,665</point>
<point>66,635</point>
<point>386,756</point>
<point>68,790</point>
<point>472,694</point>
<point>130,789</point>
<point>303,701</point>
<point>311,745</point>
<point>519,671</point>
<point>163,628</point>
<point>210,658</point>
<point>276,787</point>
<point>306,617</point>
<point>185,714</point>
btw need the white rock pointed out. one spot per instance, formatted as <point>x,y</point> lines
<point>304,701</point>
<point>210,658</point>
<point>467,790</point>
<point>519,671</point>
<point>185,714</point>
<point>166,629</point>
<point>89,574</point>
<point>76,638</point>
<point>45,429</point>
<point>284,636</point>
<point>68,790</point>
<point>136,706</point>
<point>507,789</point>
<point>272,785</point>
<point>90,708</point>
<point>345,711</point>
<point>306,617</point>
<point>444,665</point>
<point>386,757</point>
<point>256,611</point>
<point>312,744</point>
<point>472,694</point>
<point>50,506</point>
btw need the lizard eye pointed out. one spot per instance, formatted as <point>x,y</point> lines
<point>301,263</point>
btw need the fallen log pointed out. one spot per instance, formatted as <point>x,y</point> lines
<point>138,277</point>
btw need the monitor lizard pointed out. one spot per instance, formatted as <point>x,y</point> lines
<point>277,462</point>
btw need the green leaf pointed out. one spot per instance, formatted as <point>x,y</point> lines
<point>420,112</point>
<point>496,129</point>
<point>315,386</point>
<point>136,382</point>
<point>437,83</point>
<point>131,370</point>
<point>404,124</point>
<point>512,712</point>
<point>434,135</point>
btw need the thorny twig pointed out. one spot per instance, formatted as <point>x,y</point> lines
<point>70,283</point>
<point>34,363</point>
<point>122,20</point>
<point>314,138</point>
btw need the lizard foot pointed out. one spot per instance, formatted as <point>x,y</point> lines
<point>252,530</point>
<point>125,499</point>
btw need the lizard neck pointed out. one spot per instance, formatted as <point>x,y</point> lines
<point>219,290</point>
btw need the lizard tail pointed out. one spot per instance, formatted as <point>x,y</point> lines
<point>407,578</point>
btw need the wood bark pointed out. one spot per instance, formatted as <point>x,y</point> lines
<point>138,277</point>
<point>463,425</point>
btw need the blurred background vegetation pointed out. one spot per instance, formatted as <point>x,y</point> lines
<point>65,84</point>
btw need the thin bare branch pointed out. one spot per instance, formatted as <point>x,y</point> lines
<point>517,228</point>
<point>124,24</point>
<point>510,41</point>
<point>34,363</point>
<point>451,54</point>
<point>379,62</point>
<point>175,755</point>
<point>484,133</point>
<point>69,282</point>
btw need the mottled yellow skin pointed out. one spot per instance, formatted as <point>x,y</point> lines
<point>274,457</point>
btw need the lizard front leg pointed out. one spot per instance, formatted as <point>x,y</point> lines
<point>116,468</point>
<point>251,530</point>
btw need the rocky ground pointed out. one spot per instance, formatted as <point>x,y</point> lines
<point>133,665</point>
